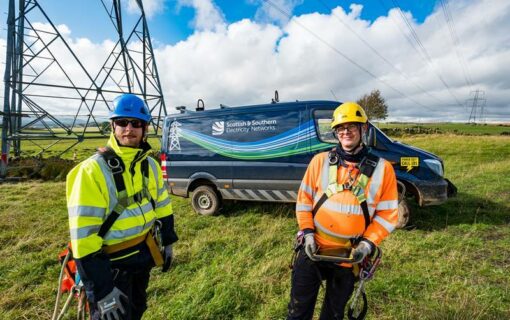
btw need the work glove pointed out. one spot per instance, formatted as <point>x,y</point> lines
<point>361,251</point>
<point>168,256</point>
<point>111,306</point>
<point>310,246</point>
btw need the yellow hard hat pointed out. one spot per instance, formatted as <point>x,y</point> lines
<point>348,112</point>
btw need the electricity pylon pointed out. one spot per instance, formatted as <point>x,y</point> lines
<point>53,97</point>
<point>477,107</point>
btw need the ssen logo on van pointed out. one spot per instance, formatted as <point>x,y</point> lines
<point>218,128</point>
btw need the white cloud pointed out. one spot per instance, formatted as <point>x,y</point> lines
<point>248,62</point>
<point>151,7</point>
<point>208,16</point>
<point>244,62</point>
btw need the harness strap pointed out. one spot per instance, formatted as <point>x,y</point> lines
<point>366,167</point>
<point>366,214</point>
<point>117,167</point>
<point>108,223</point>
<point>124,245</point>
<point>368,164</point>
<point>321,201</point>
<point>154,250</point>
<point>145,172</point>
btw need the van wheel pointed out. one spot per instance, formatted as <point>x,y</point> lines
<point>403,214</point>
<point>205,200</point>
<point>403,208</point>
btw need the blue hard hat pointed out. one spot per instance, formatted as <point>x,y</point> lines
<point>130,106</point>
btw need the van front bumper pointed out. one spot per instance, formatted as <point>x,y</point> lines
<point>429,193</point>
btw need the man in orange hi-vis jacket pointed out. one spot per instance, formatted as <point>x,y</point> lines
<point>347,200</point>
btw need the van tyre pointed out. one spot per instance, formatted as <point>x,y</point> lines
<point>205,200</point>
<point>403,214</point>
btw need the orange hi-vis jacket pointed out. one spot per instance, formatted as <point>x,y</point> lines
<point>340,218</point>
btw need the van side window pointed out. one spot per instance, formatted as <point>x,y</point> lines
<point>322,120</point>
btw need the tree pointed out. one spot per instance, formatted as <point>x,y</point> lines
<point>374,105</point>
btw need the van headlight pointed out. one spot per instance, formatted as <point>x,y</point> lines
<point>435,165</point>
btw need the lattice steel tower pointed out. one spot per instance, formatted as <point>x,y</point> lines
<point>53,97</point>
<point>477,114</point>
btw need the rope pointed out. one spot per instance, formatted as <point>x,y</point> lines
<point>59,293</point>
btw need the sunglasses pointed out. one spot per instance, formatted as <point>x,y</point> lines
<point>135,123</point>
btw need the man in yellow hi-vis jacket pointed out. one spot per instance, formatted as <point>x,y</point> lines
<point>347,200</point>
<point>115,199</point>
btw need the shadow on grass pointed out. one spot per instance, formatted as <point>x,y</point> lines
<point>462,209</point>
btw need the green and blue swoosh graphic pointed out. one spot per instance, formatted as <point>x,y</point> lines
<point>298,140</point>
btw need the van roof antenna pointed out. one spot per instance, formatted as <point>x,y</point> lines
<point>276,98</point>
<point>200,105</point>
<point>182,109</point>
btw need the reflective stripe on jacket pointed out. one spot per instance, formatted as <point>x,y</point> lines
<point>340,218</point>
<point>92,195</point>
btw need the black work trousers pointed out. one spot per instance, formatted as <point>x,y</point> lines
<point>133,283</point>
<point>307,276</point>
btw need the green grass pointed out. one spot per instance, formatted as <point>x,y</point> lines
<point>80,152</point>
<point>451,262</point>
<point>456,128</point>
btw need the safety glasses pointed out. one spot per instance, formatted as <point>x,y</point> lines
<point>350,127</point>
<point>135,123</point>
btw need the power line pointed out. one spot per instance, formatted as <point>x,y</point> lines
<point>402,32</point>
<point>456,43</point>
<point>423,50</point>
<point>271,3</point>
<point>376,52</point>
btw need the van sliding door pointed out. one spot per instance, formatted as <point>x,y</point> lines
<point>268,151</point>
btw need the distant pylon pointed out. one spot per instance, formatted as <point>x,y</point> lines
<point>478,102</point>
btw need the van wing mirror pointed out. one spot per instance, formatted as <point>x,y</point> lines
<point>371,138</point>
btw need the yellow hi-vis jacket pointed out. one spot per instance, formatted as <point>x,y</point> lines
<point>92,195</point>
<point>340,218</point>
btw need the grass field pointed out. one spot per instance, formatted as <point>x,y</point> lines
<point>451,262</point>
<point>456,128</point>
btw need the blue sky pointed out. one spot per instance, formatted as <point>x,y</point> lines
<point>175,21</point>
<point>239,52</point>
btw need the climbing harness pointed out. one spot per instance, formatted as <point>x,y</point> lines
<point>69,278</point>
<point>364,270</point>
<point>117,167</point>
<point>355,184</point>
